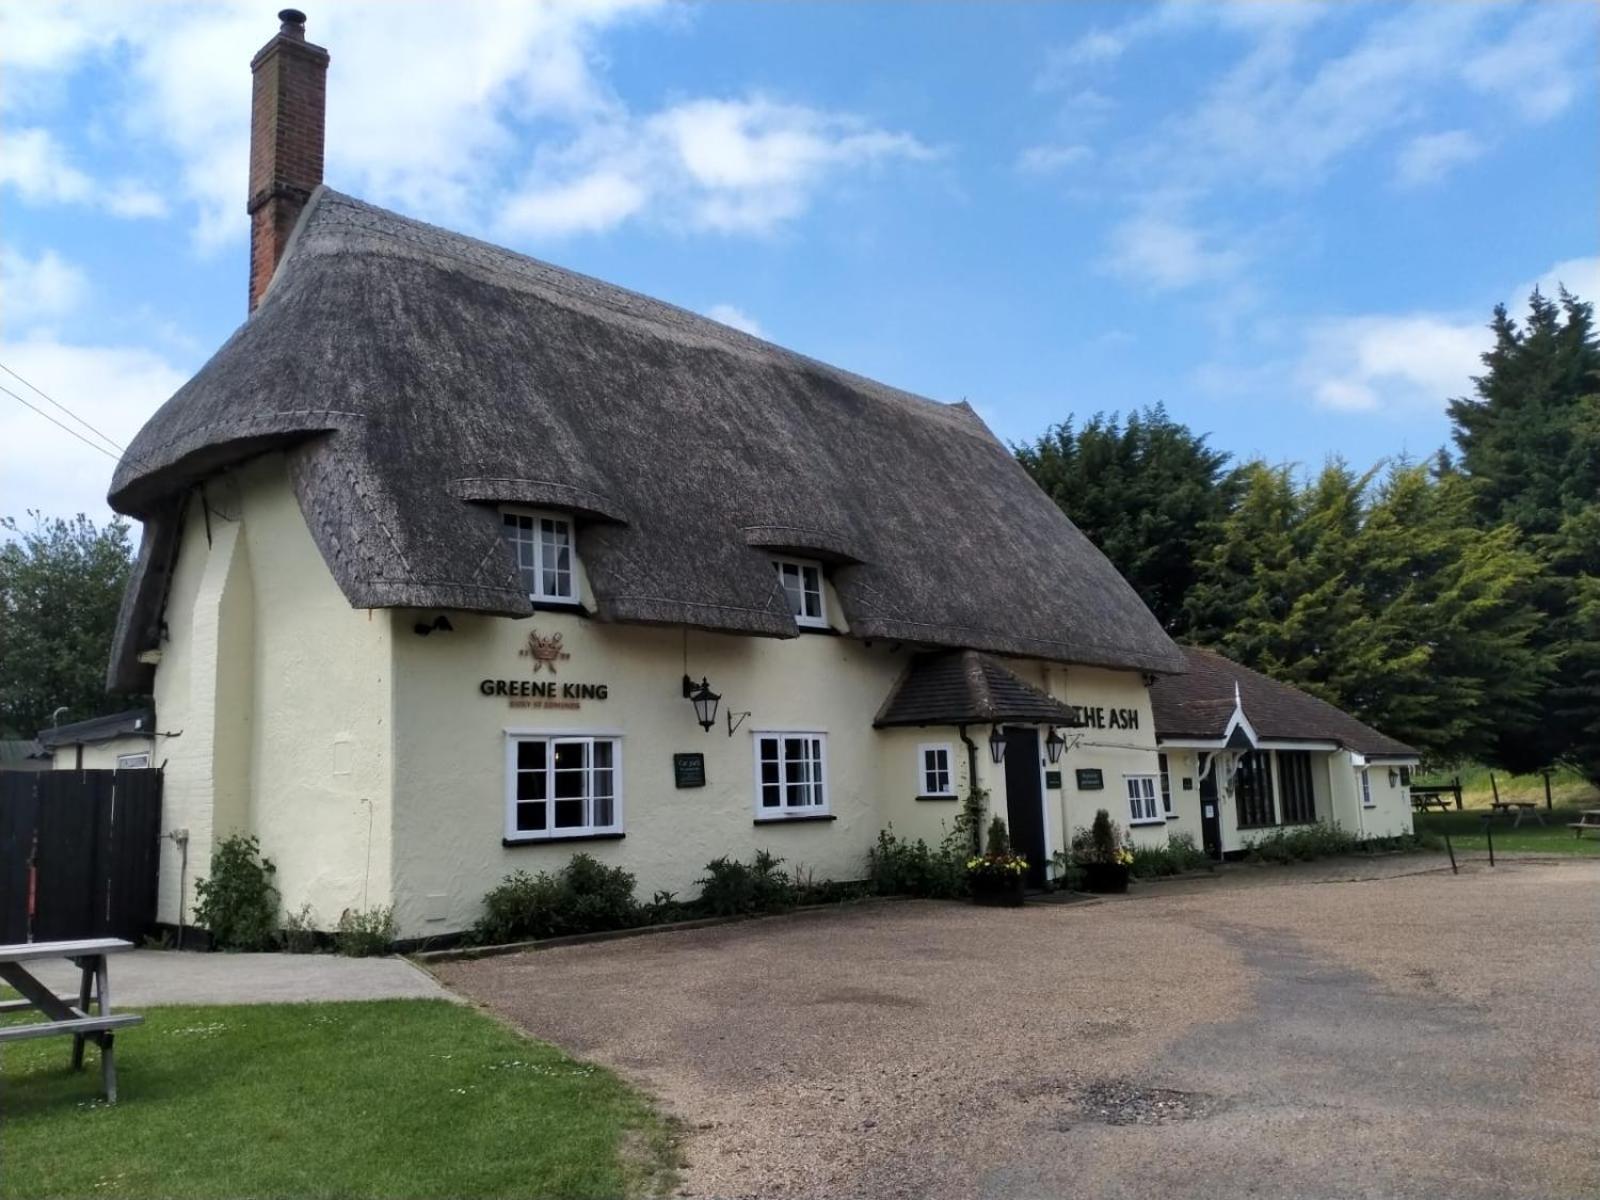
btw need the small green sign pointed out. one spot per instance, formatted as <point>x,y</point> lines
<point>689,770</point>
<point>1090,779</point>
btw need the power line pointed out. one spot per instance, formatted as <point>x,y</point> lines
<point>103,437</point>
<point>59,425</point>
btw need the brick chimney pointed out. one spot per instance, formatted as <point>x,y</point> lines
<point>287,109</point>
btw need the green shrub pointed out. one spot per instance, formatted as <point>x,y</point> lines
<point>1102,842</point>
<point>364,933</point>
<point>299,932</point>
<point>583,897</point>
<point>897,867</point>
<point>1302,844</point>
<point>1179,855</point>
<point>731,888</point>
<point>237,904</point>
<point>997,842</point>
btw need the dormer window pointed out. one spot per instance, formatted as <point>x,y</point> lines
<point>802,584</point>
<point>542,543</point>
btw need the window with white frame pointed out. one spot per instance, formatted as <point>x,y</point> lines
<point>132,762</point>
<point>560,786</point>
<point>542,544</point>
<point>791,775</point>
<point>1143,807</point>
<point>1366,788</point>
<point>1166,788</point>
<point>934,777</point>
<point>802,584</point>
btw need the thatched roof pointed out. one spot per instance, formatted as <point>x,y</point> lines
<point>965,687</point>
<point>415,377</point>
<point>1200,703</point>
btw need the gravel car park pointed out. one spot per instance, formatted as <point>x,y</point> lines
<point>1382,1029</point>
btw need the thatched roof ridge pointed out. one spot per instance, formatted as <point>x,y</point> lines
<point>414,377</point>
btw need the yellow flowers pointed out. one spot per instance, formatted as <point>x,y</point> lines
<point>997,864</point>
<point>1125,856</point>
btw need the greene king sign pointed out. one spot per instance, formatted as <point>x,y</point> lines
<point>547,656</point>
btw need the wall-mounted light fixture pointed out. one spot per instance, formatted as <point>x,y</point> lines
<point>1394,777</point>
<point>424,628</point>
<point>703,699</point>
<point>1054,744</point>
<point>997,745</point>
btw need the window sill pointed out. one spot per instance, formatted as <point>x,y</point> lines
<point>1247,828</point>
<point>936,796</point>
<point>794,820</point>
<point>567,606</point>
<point>563,837</point>
<point>829,630</point>
<point>1148,821</point>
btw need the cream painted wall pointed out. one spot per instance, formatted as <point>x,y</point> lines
<point>450,756</point>
<point>257,626</point>
<point>102,756</point>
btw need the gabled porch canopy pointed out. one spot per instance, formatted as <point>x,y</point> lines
<point>967,687</point>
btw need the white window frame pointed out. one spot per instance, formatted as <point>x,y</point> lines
<point>533,538</point>
<point>126,762</point>
<point>552,832</point>
<point>1148,792</point>
<point>1364,785</point>
<point>806,569</point>
<point>784,810</point>
<point>925,775</point>
<point>1164,767</point>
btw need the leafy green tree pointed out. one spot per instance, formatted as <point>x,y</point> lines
<point>61,584</point>
<point>1385,599</point>
<point>1529,443</point>
<point>1149,492</point>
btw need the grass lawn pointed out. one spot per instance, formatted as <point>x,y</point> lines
<point>1466,832</point>
<point>399,1098</point>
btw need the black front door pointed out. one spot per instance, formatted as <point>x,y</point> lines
<point>1025,800</point>
<point>1210,814</point>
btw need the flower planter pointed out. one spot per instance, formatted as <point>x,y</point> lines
<point>1004,891</point>
<point>1105,878</point>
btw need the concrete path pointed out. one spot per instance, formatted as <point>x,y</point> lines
<point>145,977</point>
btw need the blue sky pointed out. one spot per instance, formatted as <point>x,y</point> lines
<point>1289,223</point>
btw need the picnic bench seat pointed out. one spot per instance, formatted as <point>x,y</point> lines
<point>1425,801</point>
<point>68,1016</point>
<point>1589,820</point>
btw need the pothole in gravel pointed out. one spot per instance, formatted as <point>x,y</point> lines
<point>1118,1102</point>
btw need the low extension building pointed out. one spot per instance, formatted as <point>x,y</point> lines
<point>124,741</point>
<point>1243,756</point>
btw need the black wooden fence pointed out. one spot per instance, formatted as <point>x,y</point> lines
<point>78,854</point>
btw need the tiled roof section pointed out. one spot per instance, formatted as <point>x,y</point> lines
<point>100,729</point>
<point>966,687</point>
<point>1198,704</point>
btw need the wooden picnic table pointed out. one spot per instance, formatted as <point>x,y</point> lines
<point>63,1017</point>
<point>1589,820</point>
<point>1522,808</point>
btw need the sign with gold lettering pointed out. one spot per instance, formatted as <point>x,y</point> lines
<point>546,653</point>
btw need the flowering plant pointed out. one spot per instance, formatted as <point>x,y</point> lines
<point>1104,842</point>
<point>997,866</point>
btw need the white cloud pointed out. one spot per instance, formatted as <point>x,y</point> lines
<point>455,142</point>
<point>33,290</point>
<point>1162,252</point>
<point>1429,157</point>
<point>1417,360</point>
<point>589,204</point>
<point>113,388</point>
<point>730,315</point>
<point>1047,159</point>
<point>1580,276</point>
<point>1541,63</point>
<point>36,166</point>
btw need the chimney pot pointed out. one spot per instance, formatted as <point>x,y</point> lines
<point>288,103</point>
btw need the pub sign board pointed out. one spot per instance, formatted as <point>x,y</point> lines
<point>689,770</point>
<point>1090,779</point>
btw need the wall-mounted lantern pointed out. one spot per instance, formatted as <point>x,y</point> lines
<point>1054,744</point>
<point>1394,777</point>
<point>997,745</point>
<point>703,699</point>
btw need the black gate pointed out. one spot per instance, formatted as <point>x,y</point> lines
<point>78,854</point>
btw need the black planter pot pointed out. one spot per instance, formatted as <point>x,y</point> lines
<point>1007,891</point>
<point>1105,878</point>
